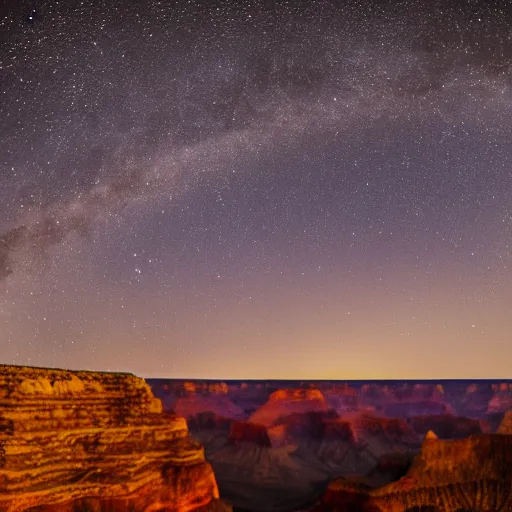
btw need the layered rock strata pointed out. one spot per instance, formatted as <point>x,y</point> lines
<point>467,474</point>
<point>94,441</point>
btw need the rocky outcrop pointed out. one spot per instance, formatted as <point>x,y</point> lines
<point>469,474</point>
<point>94,441</point>
<point>506,424</point>
<point>285,402</point>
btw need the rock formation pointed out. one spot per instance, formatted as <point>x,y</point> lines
<point>501,400</point>
<point>179,387</point>
<point>338,429</point>
<point>468,474</point>
<point>247,432</point>
<point>506,424</point>
<point>310,424</point>
<point>284,402</point>
<point>343,398</point>
<point>209,421</point>
<point>95,441</point>
<point>192,405</point>
<point>446,426</point>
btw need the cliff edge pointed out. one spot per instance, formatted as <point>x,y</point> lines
<point>77,440</point>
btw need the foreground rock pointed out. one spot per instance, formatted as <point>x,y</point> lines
<point>95,441</point>
<point>449,476</point>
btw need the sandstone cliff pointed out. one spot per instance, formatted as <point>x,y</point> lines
<point>450,476</point>
<point>284,402</point>
<point>94,441</point>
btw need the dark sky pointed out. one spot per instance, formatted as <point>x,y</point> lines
<point>240,189</point>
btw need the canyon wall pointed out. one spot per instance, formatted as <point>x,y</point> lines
<point>449,476</point>
<point>95,441</point>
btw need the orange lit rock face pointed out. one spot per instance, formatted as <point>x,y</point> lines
<point>468,474</point>
<point>506,424</point>
<point>219,388</point>
<point>297,394</point>
<point>284,402</point>
<point>97,440</point>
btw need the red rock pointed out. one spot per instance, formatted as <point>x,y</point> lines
<point>296,395</point>
<point>338,429</point>
<point>248,432</point>
<point>309,424</point>
<point>96,440</point>
<point>393,429</point>
<point>466,474</point>
<point>285,402</point>
<point>506,423</point>
<point>278,436</point>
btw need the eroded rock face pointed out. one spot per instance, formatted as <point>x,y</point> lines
<point>506,424</point>
<point>247,432</point>
<point>98,441</point>
<point>467,474</point>
<point>284,402</point>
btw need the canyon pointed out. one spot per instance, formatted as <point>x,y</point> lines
<point>79,441</point>
<point>325,446</point>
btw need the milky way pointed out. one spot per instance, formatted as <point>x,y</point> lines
<point>311,189</point>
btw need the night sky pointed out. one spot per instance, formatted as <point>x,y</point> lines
<point>296,189</point>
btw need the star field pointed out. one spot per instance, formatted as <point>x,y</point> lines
<point>245,190</point>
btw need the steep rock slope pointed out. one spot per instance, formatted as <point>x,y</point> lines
<point>450,476</point>
<point>86,440</point>
<point>506,424</point>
